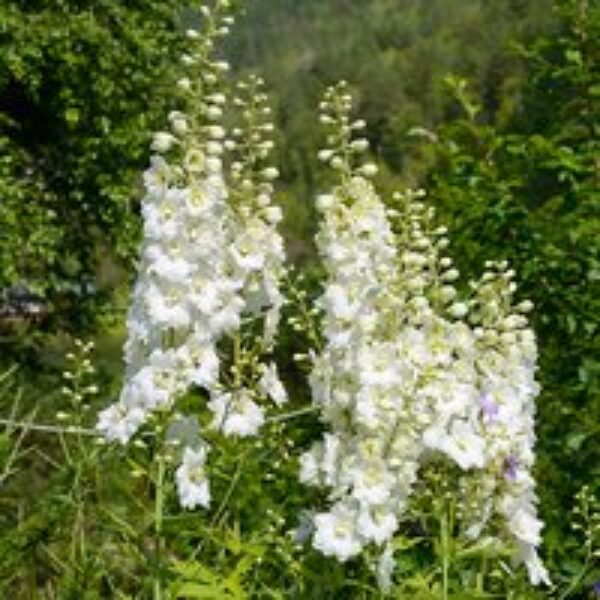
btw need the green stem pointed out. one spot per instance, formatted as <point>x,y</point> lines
<point>237,355</point>
<point>234,481</point>
<point>445,539</point>
<point>158,526</point>
<point>574,583</point>
<point>480,584</point>
<point>293,414</point>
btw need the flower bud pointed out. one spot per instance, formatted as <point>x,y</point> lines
<point>325,202</point>
<point>214,148</point>
<point>525,307</point>
<point>360,145</point>
<point>447,294</point>
<point>214,113</point>
<point>273,214</point>
<point>163,141</point>
<point>184,84</point>
<point>194,161</point>
<point>337,163</point>
<point>216,132</point>
<point>213,164</point>
<point>369,170</point>
<point>221,66</point>
<point>458,310</point>
<point>451,275</point>
<point>270,173</point>
<point>326,155</point>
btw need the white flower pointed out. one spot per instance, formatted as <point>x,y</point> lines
<point>336,299</point>
<point>372,482</point>
<point>336,534</point>
<point>216,132</point>
<point>149,388</point>
<point>206,362</point>
<point>194,161</point>
<point>377,523</point>
<point>161,220</point>
<point>179,122</point>
<point>228,316</point>
<point>273,214</point>
<point>310,465</point>
<point>166,307</point>
<point>369,170</point>
<point>236,414</point>
<point>192,482</point>
<point>205,294</point>
<point>407,366</point>
<point>522,522</point>
<point>378,365</point>
<point>332,453</point>
<point>271,385</point>
<point>325,202</point>
<point>535,568</point>
<point>158,176</point>
<point>247,254</point>
<point>462,444</point>
<point>201,199</point>
<point>185,84</point>
<point>119,422</point>
<point>173,269</point>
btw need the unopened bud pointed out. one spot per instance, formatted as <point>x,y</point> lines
<point>163,141</point>
<point>326,155</point>
<point>458,310</point>
<point>369,170</point>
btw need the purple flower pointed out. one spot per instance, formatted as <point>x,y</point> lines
<point>510,467</point>
<point>596,588</point>
<point>488,406</point>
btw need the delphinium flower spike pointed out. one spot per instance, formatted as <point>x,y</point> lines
<point>410,377</point>
<point>367,459</point>
<point>210,260</point>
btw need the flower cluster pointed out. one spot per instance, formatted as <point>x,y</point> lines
<point>211,258</point>
<point>409,374</point>
<point>506,355</point>
<point>369,458</point>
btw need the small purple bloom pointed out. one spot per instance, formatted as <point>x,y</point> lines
<point>488,406</point>
<point>510,467</point>
<point>596,588</point>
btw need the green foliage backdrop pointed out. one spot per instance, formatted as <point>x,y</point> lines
<point>82,86</point>
<point>492,105</point>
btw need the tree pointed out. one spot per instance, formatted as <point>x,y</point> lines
<point>82,86</point>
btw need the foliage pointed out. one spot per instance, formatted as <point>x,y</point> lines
<point>301,47</point>
<point>81,86</point>
<point>531,193</point>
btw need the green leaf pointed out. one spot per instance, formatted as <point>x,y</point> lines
<point>72,116</point>
<point>573,56</point>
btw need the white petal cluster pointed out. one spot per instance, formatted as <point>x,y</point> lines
<point>211,256</point>
<point>506,363</point>
<point>192,481</point>
<point>409,375</point>
<point>362,378</point>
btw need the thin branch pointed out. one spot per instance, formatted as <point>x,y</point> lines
<point>292,415</point>
<point>47,428</point>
